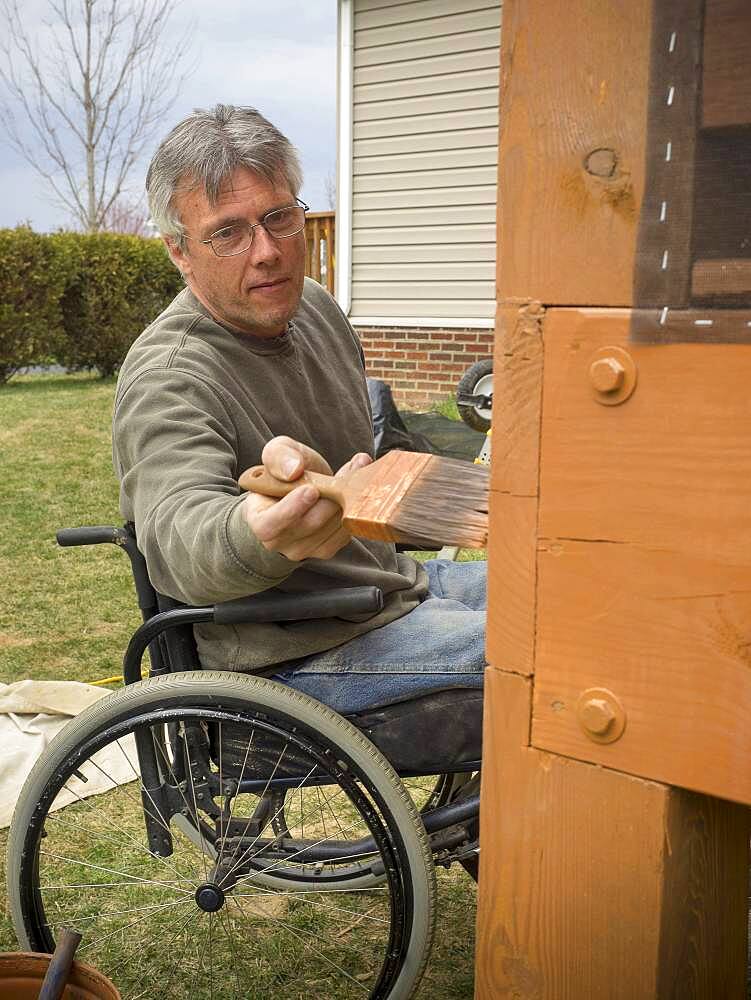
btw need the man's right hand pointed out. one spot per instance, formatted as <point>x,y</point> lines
<point>303,524</point>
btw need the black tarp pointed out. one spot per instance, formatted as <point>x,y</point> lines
<point>427,432</point>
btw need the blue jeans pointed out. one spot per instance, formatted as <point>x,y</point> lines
<point>438,645</point>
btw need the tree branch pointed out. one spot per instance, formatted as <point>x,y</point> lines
<point>89,100</point>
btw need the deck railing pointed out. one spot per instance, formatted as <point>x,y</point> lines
<point>320,228</point>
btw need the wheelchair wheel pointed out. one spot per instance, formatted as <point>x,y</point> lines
<point>287,806</point>
<point>98,842</point>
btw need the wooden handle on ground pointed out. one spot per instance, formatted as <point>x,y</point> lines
<point>259,480</point>
<point>56,978</point>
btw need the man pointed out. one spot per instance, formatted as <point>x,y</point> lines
<point>254,362</point>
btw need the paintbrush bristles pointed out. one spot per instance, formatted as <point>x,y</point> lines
<point>403,497</point>
<point>422,500</point>
<point>448,502</point>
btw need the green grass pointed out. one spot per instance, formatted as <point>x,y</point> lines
<point>447,408</point>
<point>67,614</point>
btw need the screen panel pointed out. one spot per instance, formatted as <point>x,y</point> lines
<point>692,277</point>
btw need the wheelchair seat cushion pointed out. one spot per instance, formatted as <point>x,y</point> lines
<point>435,732</point>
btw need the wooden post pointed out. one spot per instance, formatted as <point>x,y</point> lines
<point>599,885</point>
<point>614,864</point>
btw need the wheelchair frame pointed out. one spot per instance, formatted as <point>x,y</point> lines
<point>174,718</point>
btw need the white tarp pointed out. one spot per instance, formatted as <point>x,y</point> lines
<point>31,713</point>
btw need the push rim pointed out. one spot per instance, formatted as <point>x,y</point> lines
<point>41,859</point>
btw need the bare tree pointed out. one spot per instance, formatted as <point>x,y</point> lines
<point>130,217</point>
<point>82,105</point>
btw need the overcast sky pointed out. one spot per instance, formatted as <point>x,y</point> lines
<point>277,56</point>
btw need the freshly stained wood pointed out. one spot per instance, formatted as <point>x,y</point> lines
<point>517,377</point>
<point>667,632</point>
<point>572,149</point>
<point>620,550</point>
<point>594,884</point>
<point>644,555</point>
<point>512,580</point>
<point>512,555</point>
<point>670,468</point>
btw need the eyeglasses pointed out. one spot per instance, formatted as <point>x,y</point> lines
<point>237,238</point>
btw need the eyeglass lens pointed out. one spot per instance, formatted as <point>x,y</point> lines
<point>282,222</point>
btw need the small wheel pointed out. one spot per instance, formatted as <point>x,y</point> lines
<point>476,381</point>
<point>99,842</point>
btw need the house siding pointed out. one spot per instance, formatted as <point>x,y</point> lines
<point>424,162</point>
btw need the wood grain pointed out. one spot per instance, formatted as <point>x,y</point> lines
<point>517,387</point>
<point>572,149</point>
<point>670,468</point>
<point>670,635</point>
<point>594,884</point>
<point>512,575</point>
<point>644,557</point>
<point>514,477</point>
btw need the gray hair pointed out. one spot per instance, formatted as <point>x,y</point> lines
<point>205,148</point>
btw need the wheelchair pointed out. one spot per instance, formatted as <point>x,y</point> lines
<point>214,834</point>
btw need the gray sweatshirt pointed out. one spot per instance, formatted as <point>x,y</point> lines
<point>195,405</point>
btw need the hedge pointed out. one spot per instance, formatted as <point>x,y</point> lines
<point>34,273</point>
<point>78,299</point>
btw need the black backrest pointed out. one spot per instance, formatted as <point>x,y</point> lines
<point>174,649</point>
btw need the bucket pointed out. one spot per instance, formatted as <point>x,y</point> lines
<point>22,972</point>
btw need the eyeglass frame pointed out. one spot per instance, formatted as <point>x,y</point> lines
<point>299,203</point>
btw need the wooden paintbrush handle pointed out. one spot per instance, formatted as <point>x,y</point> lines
<point>259,480</point>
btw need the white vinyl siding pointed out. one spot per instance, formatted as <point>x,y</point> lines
<point>424,123</point>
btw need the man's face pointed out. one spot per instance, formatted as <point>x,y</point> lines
<point>255,292</point>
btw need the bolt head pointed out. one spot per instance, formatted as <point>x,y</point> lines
<point>607,374</point>
<point>597,716</point>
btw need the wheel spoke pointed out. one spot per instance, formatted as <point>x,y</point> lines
<point>311,880</point>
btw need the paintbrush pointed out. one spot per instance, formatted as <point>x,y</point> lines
<point>403,497</point>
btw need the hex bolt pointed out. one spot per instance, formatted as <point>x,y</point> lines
<point>596,716</point>
<point>607,374</point>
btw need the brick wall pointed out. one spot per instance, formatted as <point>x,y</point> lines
<point>422,366</point>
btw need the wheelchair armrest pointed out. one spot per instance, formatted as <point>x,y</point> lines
<point>89,535</point>
<point>343,602</point>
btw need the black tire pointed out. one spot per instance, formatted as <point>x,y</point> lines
<point>478,378</point>
<point>176,925</point>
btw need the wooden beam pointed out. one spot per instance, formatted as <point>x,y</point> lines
<point>572,149</point>
<point>644,555</point>
<point>597,884</point>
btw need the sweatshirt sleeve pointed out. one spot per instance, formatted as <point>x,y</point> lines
<point>175,451</point>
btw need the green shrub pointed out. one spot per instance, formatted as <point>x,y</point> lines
<point>34,272</point>
<point>122,283</point>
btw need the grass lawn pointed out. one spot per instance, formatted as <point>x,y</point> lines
<point>67,614</point>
